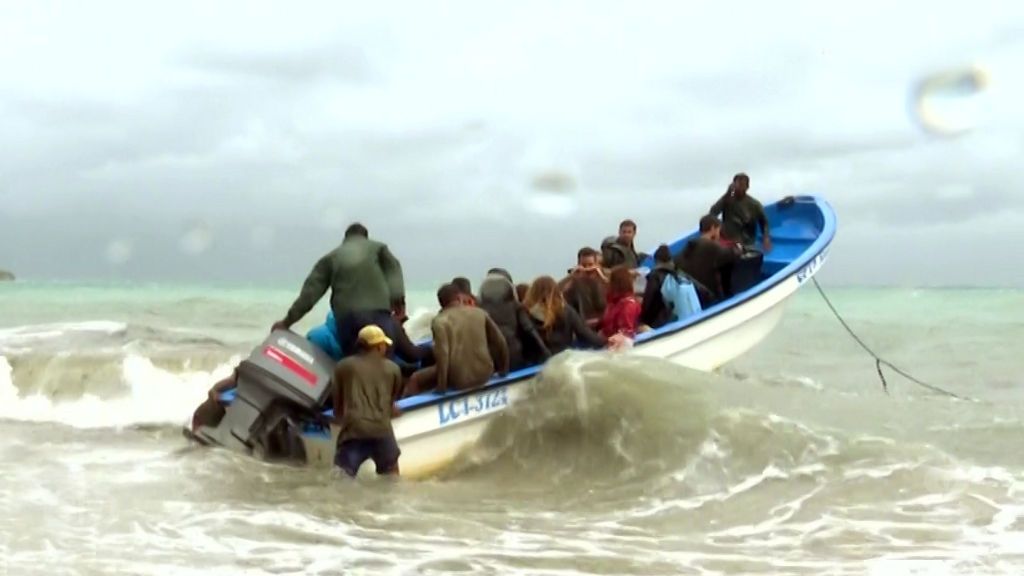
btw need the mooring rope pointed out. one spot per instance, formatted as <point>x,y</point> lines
<point>879,361</point>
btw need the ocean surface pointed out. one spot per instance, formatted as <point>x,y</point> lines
<point>790,460</point>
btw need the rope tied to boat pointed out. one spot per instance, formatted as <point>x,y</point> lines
<point>879,361</point>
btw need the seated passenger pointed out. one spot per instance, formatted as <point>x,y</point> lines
<point>365,387</point>
<point>560,326</point>
<point>703,259</point>
<point>468,347</point>
<point>325,336</point>
<point>654,311</point>
<point>521,289</point>
<point>585,287</point>
<point>620,251</point>
<point>742,214</point>
<point>498,299</point>
<point>406,354</point>
<point>622,310</point>
<point>465,291</point>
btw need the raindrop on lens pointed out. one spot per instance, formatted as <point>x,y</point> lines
<point>949,103</point>
<point>197,239</point>
<point>552,193</point>
<point>119,251</point>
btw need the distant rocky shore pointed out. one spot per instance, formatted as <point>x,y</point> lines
<point>6,276</point>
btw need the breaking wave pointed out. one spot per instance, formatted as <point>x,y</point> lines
<point>106,374</point>
<point>649,436</point>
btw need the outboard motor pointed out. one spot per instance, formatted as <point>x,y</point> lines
<point>285,376</point>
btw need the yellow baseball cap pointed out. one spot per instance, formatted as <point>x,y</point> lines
<point>372,335</point>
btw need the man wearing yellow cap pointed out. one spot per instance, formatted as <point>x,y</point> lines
<point>365,388</point>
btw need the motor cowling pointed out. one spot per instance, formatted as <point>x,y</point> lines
<point>286,379</point>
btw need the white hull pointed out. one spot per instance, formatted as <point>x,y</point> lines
<point>432,436</point>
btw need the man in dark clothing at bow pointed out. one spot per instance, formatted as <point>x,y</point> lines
<point>703,259</point>
<point>366,284</point>
<point>742,214</point>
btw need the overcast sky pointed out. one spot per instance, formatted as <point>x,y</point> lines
<point>195,141</point>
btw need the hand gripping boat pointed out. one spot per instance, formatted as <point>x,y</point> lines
<point>285,382</point>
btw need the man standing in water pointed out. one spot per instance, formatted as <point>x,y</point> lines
<point>366,284</point>
<point>365,388</point>
<point>742,214</point>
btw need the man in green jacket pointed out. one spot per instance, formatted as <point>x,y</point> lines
<point>742,214</point>
<point>366,284</point>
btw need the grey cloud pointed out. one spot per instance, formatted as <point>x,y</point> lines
<point>294,68</point>
<point>235,138</point>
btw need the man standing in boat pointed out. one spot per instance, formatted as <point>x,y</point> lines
<point>620,250</point>
<point>742,214</point>
<point>366,285</point>
<point>366,386</point>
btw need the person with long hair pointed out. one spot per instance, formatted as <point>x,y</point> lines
<point>498,299</point>
<point>559,325</point>
<point>622,311</point>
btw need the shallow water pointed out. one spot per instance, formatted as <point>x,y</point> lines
<point>791,460</point>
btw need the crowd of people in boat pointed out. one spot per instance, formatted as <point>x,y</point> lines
<point>604,301</point>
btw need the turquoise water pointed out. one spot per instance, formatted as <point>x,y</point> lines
<point>789,460</point>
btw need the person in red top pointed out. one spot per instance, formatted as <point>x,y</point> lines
<point>622,313</point>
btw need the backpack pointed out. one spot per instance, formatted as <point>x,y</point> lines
<point>680,297</point>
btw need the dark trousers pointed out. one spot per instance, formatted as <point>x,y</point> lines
<point>350,323</point>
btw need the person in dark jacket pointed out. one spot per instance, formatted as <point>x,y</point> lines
<point>407,354</point>
<point>521,289</point>
<point>620,250</point>
<point>703,259</point>
<point>742,214</point>
<point>366,284</point>
<point>498,299</point>
<point>585,287</point>
<point>559,325</point>
<point>654,312</point>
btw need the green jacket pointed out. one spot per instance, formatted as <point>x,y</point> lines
<point>362,274</point>
<point>740,217</point>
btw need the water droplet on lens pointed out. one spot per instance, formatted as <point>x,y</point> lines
<point>949,103</point>
<point>120,251</point>
<point>197,239</point>
<point>552,193</point>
